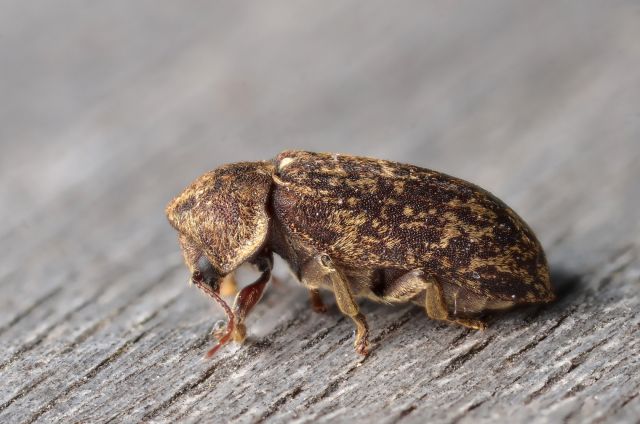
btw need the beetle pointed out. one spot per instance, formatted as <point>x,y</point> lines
<point>359,227</point>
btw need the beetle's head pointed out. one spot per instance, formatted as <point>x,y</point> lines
<point>222,218</point>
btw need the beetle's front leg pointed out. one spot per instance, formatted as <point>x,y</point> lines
<point>345,300</point>
<point>246,299</point>
<point>249,296</point>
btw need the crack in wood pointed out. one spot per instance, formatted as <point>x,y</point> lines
<point>97,326</point>
<point>322,335</point>
<point>44,333</point>
<point>138,371</point>
<point>197,345</point>
<point>473,406</point>
<point>458,361</point>
<point>166,305</point>
<point>454,364</point>
<point>39,338</point>
<point>337,345</point>
<point>23,314</point>
<point>404,413</point>
<point>444,351</point>
<point>225,365</point>
<point>238,360</point>
<point>529,346</point>
<point>183,390</point>
<point>554,379</point>
<point>336,383</point>
<point>394,326</point>
<point>629,399</point>
<point>24,391</point>
<point>274,407</point>
<point>331,387</point>
<point>461,337</point>
<point>92,373</point>
<point>25,348</point>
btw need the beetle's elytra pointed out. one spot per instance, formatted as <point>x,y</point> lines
<point>359,227</point>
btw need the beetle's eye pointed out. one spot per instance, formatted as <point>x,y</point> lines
<point>209,274</point>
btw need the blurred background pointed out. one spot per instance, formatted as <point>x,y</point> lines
<point>109,109</point>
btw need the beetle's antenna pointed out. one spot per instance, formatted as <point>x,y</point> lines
<point>230,324</point>
<point>200,283</point>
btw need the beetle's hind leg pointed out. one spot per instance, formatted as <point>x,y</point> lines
<point>411,284</point>
<point>436,307</point>
<point>405,288</point>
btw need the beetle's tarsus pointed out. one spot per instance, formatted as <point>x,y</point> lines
<point>362,348</point>
<point>218,333</point>
<point>362,335</point>
<point>475,324</point>
<point>215,348</point>
<point>222,336</point>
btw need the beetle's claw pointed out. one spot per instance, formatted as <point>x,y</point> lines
<point>238,334</point>
<point>218,328</point>
<point>223,336</point>
<point>218,333</point>
<point>362,347</point>
<point>213,350</point>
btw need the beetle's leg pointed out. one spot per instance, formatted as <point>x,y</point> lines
<point>249,296</point>
<point>228,287</point>
<point>223,335</point>
<point>316,301</point>
<point>405,287</point>
<point>437,308</point>
<point>246,299</point>
<point>346,302</point>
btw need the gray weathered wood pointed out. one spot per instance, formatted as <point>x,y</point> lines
<point>110,108</point>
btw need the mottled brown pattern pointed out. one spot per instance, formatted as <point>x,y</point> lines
<point>359,227</point>
<point>224,214</point>
<point>375,214</point>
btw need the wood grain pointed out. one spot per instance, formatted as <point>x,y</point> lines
<point>109,109</point>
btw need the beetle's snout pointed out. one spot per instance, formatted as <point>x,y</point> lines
<point>208,274</point>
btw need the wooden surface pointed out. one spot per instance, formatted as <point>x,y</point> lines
<point>110,108</point>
